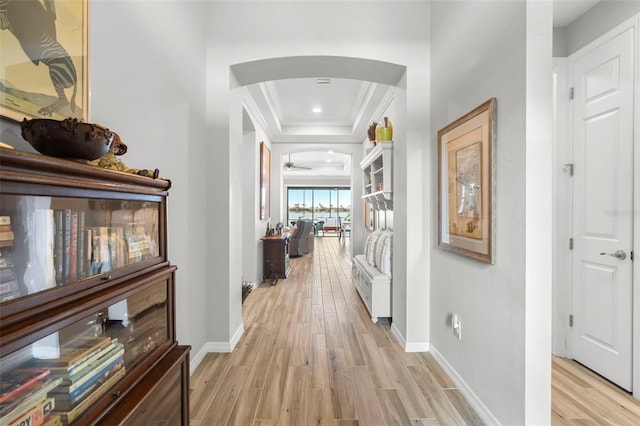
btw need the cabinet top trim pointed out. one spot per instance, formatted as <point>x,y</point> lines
<point>25,162</point>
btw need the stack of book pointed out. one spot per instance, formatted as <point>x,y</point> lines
<point>139,244</point>
<point>87,368</point>
<point>9,288</point>
<point>6,234</point>
<point>24,397</point>
<point>72,247</point>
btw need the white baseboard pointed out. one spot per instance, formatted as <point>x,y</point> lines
<point>408,347</point>
<point>397,334</point>
<point>485,414</point>
<point>215,347</point>
<point>417,347</point>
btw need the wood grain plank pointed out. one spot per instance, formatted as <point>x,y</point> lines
<point>412,398</point>
<point>269,407</point>
<point>320,408</point>
<point>245,408</point>
<point>342,395</point>
<point>392,408</point>
<point>435,397</point>
<point>225,400</point>
<point>320,372</point>
<point>294,400</point>
<point>462,406</point>
<point>367,404</point>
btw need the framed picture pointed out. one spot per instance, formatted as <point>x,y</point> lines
<point>369,212</point>
<point>466,174</point>
<point>265,181</point>
<point>43,59</point>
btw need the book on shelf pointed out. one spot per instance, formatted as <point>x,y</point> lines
<point>73,246</point>
<point>81,260</point>
<point>6,236</point>
<point>6,257</point>
<point>138,243</point>
<point>4,228</point>
<point>75,351</point>
<point>67,401</point>
<point>72,414</point>
<point>58,251</point>
<point>7,274</point>
<point>54,420</point>
<point>108,249</point>
<point>92,371</point>
<point>18,404</point>
<point>71,370</point>
<point>44,241</point>
<point>36,415</point>
<point>8,289</point>
<point>17,380</point>
<point>66,243</point>
<point>5,220</point>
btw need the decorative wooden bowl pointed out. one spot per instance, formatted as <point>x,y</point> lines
<point>69,138</point>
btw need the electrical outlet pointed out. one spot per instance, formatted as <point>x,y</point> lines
<point>456,325</point>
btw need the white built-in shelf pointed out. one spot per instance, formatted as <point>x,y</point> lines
<point>377,177</point>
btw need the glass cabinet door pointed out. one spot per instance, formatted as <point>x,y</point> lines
<point>51,241</point>
<point>65,373</point>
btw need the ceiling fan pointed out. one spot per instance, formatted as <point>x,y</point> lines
<point>290,166</point>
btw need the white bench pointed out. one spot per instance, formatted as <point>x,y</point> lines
<point>374,288</point>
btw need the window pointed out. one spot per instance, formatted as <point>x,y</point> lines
<point>330,205</point>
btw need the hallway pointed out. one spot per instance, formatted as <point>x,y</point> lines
<point>311,355</point>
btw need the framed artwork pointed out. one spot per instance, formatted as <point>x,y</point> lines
<point>369,213</point>
<point>265,181</point>
<point>466,177</point>
<point>44,59</point>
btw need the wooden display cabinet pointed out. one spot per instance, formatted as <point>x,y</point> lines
<point>87,306</point>
<point>276,256</point>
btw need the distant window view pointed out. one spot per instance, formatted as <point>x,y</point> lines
<point>329,205</point>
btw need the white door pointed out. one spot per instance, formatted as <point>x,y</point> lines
<point>603,208</point>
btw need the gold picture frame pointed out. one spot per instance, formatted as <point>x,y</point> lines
<point>44,59</point>
<point>265,181</point>
<point>466,177</point>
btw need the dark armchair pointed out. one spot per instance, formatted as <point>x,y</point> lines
<point>299,240</point>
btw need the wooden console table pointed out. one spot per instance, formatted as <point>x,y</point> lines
<point>276,256</point>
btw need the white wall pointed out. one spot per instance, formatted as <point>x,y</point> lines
<point>147,74</point>
<point>604,16</point>
<point>253,228</point>
<point>470,66</point>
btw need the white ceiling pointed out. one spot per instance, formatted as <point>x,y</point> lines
<point>284,109</point>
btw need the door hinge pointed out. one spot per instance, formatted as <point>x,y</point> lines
<point>631,255</point>
<point>568,168</point>
<point>570,320</point>
<point>571,94</point>
<point>570,243</point>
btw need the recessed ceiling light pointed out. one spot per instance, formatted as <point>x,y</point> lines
<point>322,80</point>
<point>328,160</point>
<point>316,109</point>
<point>330,151</point>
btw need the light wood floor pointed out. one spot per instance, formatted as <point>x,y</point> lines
<point>581,397</point>
<point>310,355</point>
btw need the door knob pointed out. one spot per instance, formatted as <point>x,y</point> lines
<point>620,254</point>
